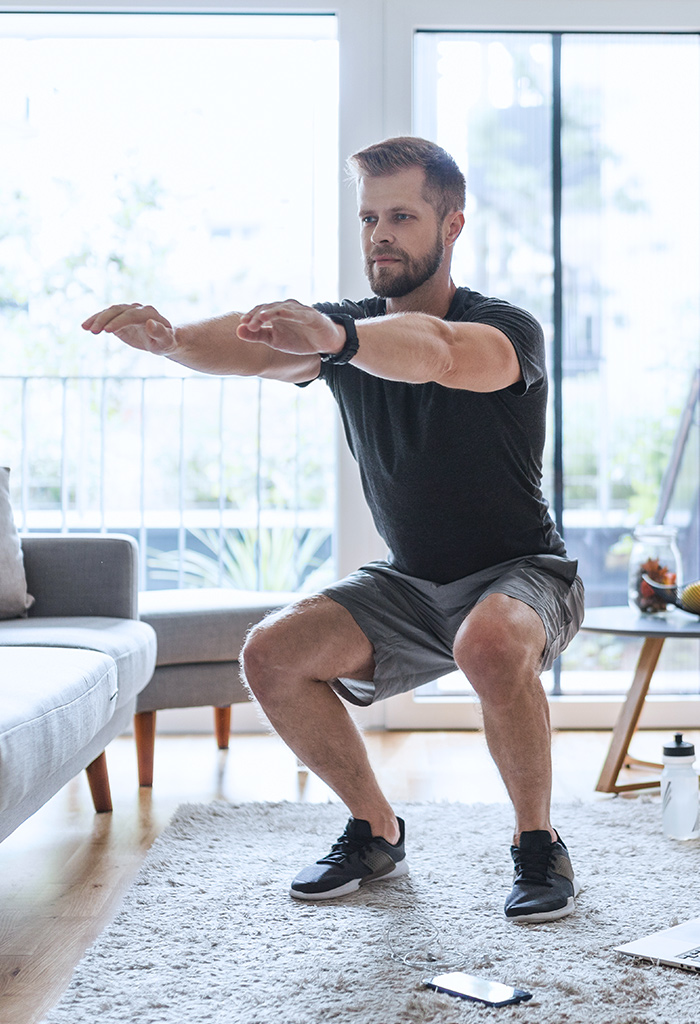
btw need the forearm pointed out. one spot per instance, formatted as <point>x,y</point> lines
<point>212,346</point>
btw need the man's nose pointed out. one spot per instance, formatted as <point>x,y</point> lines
<point>382,232</point>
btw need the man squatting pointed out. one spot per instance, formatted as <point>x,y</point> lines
<point>442,394</point>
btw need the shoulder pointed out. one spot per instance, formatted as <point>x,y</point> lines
<point>472,306</point>
<point>521,328</point>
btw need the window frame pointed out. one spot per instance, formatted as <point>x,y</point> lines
<point>403,19</point>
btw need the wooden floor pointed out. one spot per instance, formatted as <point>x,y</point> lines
<point>64,872</point>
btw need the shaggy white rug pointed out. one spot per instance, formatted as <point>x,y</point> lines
<point>208,932</point>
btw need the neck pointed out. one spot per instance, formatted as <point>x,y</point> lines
<point>433,297</point>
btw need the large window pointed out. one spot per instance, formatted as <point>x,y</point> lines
<point>195,160</point>
<point>191,162</point>
<point>582,158</point>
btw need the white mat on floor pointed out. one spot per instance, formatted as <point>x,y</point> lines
<point>209,935</point>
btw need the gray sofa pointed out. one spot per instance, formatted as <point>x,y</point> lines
<point>71,670</point>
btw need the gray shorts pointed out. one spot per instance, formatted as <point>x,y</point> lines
<point>412,623</point>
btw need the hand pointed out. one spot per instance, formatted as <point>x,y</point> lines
<point>291,327</point>
<point>141,327</point>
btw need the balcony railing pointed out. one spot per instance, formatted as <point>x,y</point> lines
<point>223,481</point>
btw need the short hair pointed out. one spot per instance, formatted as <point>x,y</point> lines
<point>445,187</point>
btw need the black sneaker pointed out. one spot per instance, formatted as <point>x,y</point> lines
<point>544,886</point>
<point>356,858</point>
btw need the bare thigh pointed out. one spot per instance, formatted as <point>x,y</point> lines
<point>315,638</point>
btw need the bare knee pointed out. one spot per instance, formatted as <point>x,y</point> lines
<point>314,640</point>
<point>263,657</point>
<point>499,648</point>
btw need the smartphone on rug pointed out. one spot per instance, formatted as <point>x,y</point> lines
<point>466,986</point>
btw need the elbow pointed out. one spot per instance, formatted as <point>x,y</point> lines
<point>449,364</point>
<point>485,362</point>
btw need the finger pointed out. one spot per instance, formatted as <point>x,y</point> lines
<point>256,316</point>
<point>135,316</point>
<point>99,321</point>
<point>247,332</point>
<point>289,310</point>
<point>271,320</point>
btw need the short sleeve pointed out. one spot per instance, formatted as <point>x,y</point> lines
<point>522,330</point>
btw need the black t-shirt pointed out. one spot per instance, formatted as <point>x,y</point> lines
<point>452,477</point>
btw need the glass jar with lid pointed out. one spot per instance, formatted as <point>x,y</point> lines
<point>655,555</point>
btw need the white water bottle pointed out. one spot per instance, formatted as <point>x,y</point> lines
<point>679,790</point>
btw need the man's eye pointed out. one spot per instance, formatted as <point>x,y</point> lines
<point>369,220</point>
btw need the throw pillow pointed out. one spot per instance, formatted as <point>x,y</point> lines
<point>14,599</point>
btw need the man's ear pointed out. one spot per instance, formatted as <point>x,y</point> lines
<point>452,226</point>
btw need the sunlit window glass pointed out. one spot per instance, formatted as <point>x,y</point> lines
<point>191,162</point>
<point>627,132</point>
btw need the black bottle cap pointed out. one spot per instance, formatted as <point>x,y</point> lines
<point>679,747</point>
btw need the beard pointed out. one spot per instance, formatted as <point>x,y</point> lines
<point>412,274</point>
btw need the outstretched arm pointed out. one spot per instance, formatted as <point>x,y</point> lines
<point>211,346</point>
<point>412,347</point>
<point>285,340</point>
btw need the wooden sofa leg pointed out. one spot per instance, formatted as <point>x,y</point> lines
<point>98,780</point>
<point>145,736</point>
<point>222,725</point>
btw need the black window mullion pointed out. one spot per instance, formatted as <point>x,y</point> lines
<point>557,311</point>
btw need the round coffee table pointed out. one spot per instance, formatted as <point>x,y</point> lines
<point>622,621</point>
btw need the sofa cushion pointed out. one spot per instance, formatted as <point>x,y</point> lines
<point>52,703</point>
<point>211,683</point>
<point>14,599</point>
<point>207,624</point>
<point>129,643</point>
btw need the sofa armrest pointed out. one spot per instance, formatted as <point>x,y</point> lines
<point>82,574</point>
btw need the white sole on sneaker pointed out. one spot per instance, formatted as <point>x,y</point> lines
<point>549,915</point>
<point>352,886</point>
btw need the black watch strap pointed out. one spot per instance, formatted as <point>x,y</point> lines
<point>352,342</point>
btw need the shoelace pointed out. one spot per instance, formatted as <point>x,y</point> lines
<point>343,847</point>
<point>533,865</point>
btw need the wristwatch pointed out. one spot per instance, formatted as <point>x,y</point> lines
<point>352,342</point>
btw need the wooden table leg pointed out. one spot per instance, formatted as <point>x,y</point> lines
<point>628,718</point>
